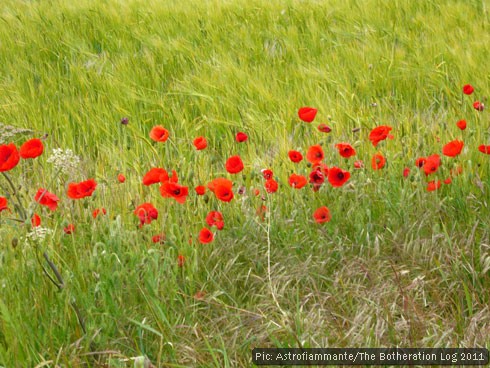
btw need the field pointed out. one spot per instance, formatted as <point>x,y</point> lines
<point>392,263</point>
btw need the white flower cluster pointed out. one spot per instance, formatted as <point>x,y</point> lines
<point>38,233</point>
<point>65,161</point>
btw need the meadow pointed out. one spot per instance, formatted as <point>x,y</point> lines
<point>399,255</point>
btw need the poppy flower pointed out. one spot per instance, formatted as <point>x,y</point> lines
<point>337,177</point>
<point>324,128</point>
<point>175,191</point>
<point>180,260</point>
<point>36,220</point>
<point>159,134</point>
<point>317,177</point>
<point>69,229</point>
<point>345,150</point>
<point>420,162</point>
<point>82,189</point>
<point>200,190</point>
<point>322,215</point>
<point>448,180</point>
<point>378,161</point>
<point>205,236</point>
<point>295,156</point>
<point>461,124</point>
<point>297,181</point>
<point>155,175</point>
<point>484,149</point>
<point>215,218</point>
<point>199,295</point>
<point>121,178</point>
<point>200,143</point>
<point>99,211</point>
<point>159,238</point>
<point>406,172</point>
<point>379,134</point>
<point>433,185</point>
<point>3,204</point>
<point>234,165</point>
<point>315,154</point>
<point>432,164</point>
<point>31,148</point>
<point>241,137</point>
<point>453,148</point>
<point>9,157</point>
<point>173,179</point>
<point>267,174</point>
<point>307,114</point>
<point>222,189</point>
<point>322,168</point>
<point>271,186</point>
<point>146,213</point>
<point>358,164</point>
<point>468,89</point>
<point>479,106</point>
<point>45,198</point>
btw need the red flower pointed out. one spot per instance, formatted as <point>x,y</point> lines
<point>241,137</point>
<point>322,215</point>
<point>146,213</point>
<point>261,212</point>
<point>234,165</point>
<point>32,148</point>
<point>3,204</point>
<point>160,238</point>
<point>461,124</point>
<point>297,181</point>
<point>295,156</point>
<point>159,134</point>
<point>200,190</point>
<point>205,236</point>
<point>479,106</point>
<point>484,149</point>
<point>9,157</point>
<point>82,189</point>
<point>47,199</point>
<point>433,185</point>
<point>315,154</point>
<point>267,174</point>
<point>175,191</point>
<point>420,162</point>
<point>215,218</point>
<point>36,220</point>
<point>69,229</point>
<point>448,180</point>
<point>337,177</point>
<point>317,177</point>
<point>99,211</point>
<point>468,89</point>
<point>379,134</point>
<point>121,178</point>
<point>222,189</point>
<point>307,114</point>
<point>378,161</point>
<point>271,186</point>
<point>180,260</point>
<point>324,128</point>
<point>155,175</point>
<point>453,148</point>
<point>345,150</point>
<point>200,143</point>
<point>358,164</point>
<point>322,168</point>
<point>432,164</point>
<point>406,172</point>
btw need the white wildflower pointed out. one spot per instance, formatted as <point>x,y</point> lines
<point>65,161</point>
<point>38,233</point>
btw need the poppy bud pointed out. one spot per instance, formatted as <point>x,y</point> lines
<point>125,121</point>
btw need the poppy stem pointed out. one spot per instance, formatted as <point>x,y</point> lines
<point>21,208</point>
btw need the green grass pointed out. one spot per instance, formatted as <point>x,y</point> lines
<point>396,266</point>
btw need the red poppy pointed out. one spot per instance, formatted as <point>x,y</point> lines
<point>307,114</point>
<point>295,156</point>
<point>315,154</point>
<point>379,134</point>
<point>159,134</point>
<point>378,161</point>
<point>121,178</point>
<point>175,191</point>
<point>199,295</point>
<point>215,218</point>
<point>222,189</point>
<point>337,177</point>
<point>36,220</point>
<point>69,229</point>
<point>3,204</point>
<point>468,89</point>
<point>448,180</point>
<point>420,162</point>
<point>9,157</point>
<point>297,181</point>
<point>271,186</point>
<point>479,106</point>
<point>146,213</point>
<point>317,177</point>
<point>345,150</point>
<point>484,149</point>
<point>322,168</point>
<point>406,172</point>
<point>200,190</point>
<point>267,174</point>
<point>256,192</point>
<point>461,124</point>
<point>47,199</point>
<point>261,211</point>
<point>200,143</point>
<point>453,148</point>
<point>324,128</point>
<point>433,185</point>
<point>155,175</point>
<point>432,164</point>
<point>358,164</point>
<point>82,189</point>
<point>322,215</point>
<point>205,236</point>
<point>32,148</point>
<point>234,165</point>
<point>99,211</point>
<point>159,238</point>
<point>173,179</point>
<point>180,260</point>
<point>241,137</point>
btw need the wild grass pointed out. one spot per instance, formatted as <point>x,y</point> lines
<point>396,266</point>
